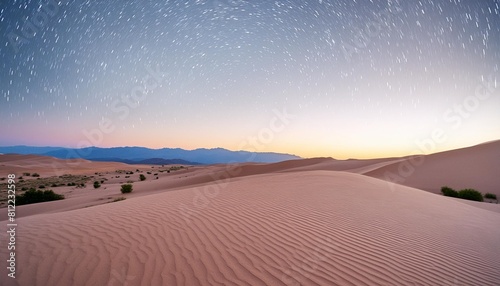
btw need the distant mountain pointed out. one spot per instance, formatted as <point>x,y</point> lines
<point>151,161</point>
<point>27,150</point>
<point>140,154</point>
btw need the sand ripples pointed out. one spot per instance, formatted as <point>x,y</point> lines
<point>310,228</point>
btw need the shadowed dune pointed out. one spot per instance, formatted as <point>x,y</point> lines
<point>476,167</point>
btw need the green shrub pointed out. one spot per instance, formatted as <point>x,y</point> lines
<point>126,188</point>
<point>97,184</point>
<point>470,194</point>
<point>142,177</point>
<point>490,196</point>
<point>33,196</point>
<point>449,192</point>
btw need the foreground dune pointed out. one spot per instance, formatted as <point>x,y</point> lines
<point>295,228</point>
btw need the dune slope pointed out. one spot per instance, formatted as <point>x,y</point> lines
<point>304,228</point>
<point>473,167</point>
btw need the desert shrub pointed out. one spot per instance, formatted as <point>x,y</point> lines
<point>119,199</point>
<point>97,184</point>
<point>53,185</point>
<point>449,192</point>
<point>35,175</point>
<point>490,196</point>
<point>142,177</point>
<point>26,174</point>
<point>126,188</point>
<point>470,194</point>
<point>41,187</point>
<point>33,196</point>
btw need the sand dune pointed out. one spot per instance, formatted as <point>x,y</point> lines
<point>308,228</point>
<point>475,167</point>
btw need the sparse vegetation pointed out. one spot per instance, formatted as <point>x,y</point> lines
<point>470,194</point>
<point>126,188</point>
<point>51,182</point>
<point>33,196</point>
<point>97,184</point>
<point>119,199</point>
<point>142,177</point>
<point>466,194</point>
<point>35,175</point>
<point>490,196</point>
<point>449,192</point>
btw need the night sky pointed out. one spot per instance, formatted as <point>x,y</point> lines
<point>346,79</point>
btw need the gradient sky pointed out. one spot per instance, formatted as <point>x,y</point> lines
<point>358,79</point>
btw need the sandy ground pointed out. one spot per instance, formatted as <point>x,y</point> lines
<point>302,222</point>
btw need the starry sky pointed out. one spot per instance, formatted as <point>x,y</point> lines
<point>339,78</point>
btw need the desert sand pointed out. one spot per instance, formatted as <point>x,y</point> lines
<point>304,222</point>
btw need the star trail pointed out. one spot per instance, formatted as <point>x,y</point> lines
<point>358,78</point>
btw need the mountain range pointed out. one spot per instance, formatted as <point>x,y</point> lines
<point>143,155</point>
